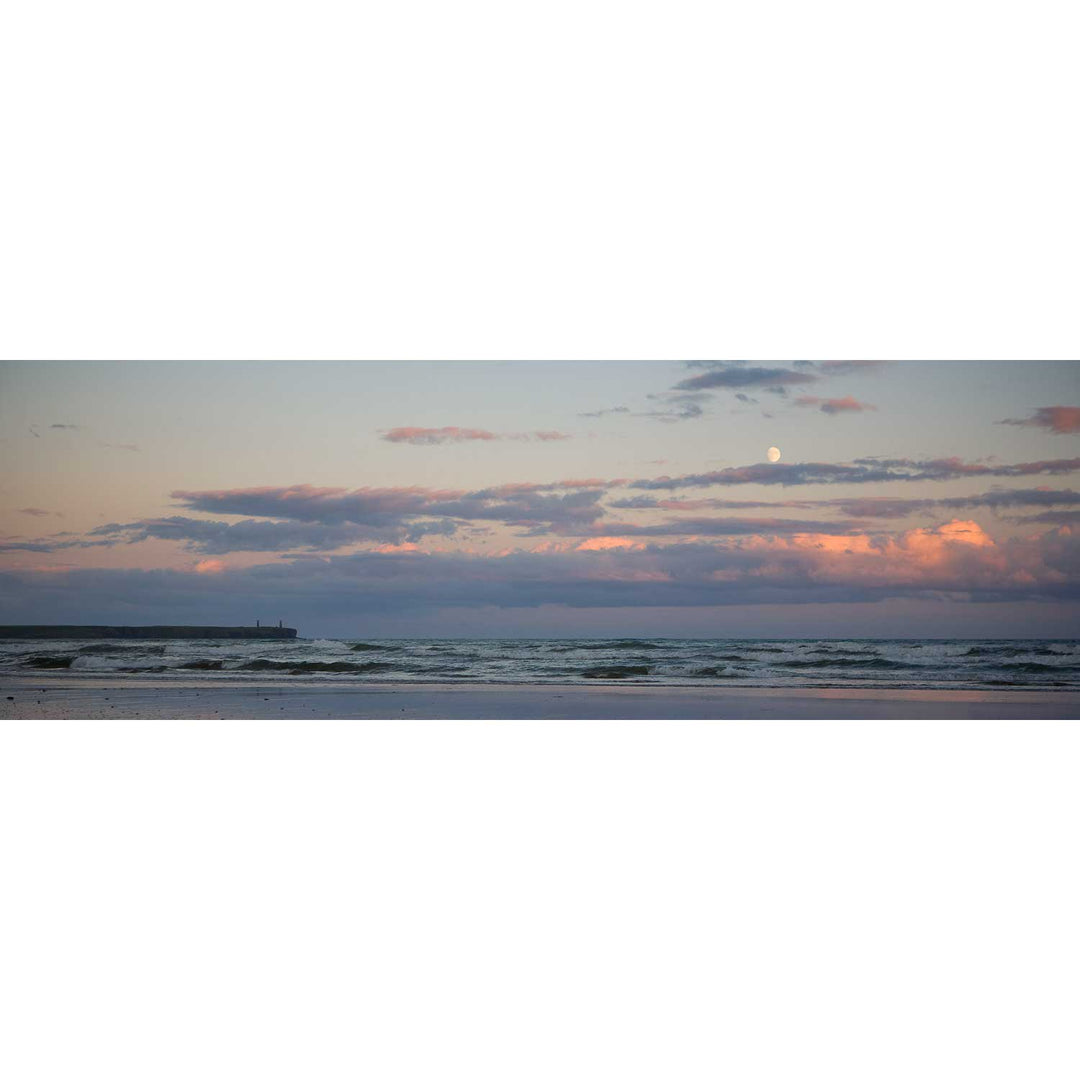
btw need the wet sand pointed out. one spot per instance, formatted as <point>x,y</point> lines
<point>53,699</point>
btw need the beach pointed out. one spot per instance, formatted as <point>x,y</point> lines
<point>57,699</point>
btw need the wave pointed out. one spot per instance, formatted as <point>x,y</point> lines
<point>994,650</point>
<point>303,667</point>
<point>363,646</point>
<point>878,663</point>
<point>824,651</point>
<point>613,671</point>
<point>1034,668</point>
<point>145,650</point>
<point>48,661</point>
<point>714,673</point>
<point>626,643</point>
<point>1012,650</point>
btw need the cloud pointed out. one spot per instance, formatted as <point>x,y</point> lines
<point>882,506</point>
<point>219,537</point>
<point>307,519</point>
<point>120,446</point>
<point>835,406</point>
<point>303,502</point>
<point>870,506</point>
<point>681,406</point>
<point>605,412</point>
<point>741,376</point>
<point>687,398</point>
<point>535,506</point>
<point>1060,419</point>
<point>735,375</point>
<point>1001,498</point>
<point>609,543</point>
<point>718,526</point>
<point>33,428</point>
<point>955,560</point>
<point>304,518</point>
<point>860,471</point>
<point>35,511</point>
<point>1052,517</point>
<point>420,436</point>
<point>850,367</point>
<point>48,544</point>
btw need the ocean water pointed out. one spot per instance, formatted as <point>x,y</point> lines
<point>930,663</point>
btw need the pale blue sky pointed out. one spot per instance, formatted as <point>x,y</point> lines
<point>240,424</point>
<point>87,445</point>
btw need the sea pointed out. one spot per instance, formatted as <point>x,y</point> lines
<point>927,663</point>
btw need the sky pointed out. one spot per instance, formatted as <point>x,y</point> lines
<point>558,499</point>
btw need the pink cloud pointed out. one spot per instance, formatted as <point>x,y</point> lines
<point>590,483</point>
<point>609,543</point>
<point>949,556</point>
<point>1060,419</point>
<point>956,561</point>
<point>421,436</point>
<point>834,406</point>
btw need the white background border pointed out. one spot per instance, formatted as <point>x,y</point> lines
<point>584,179</point>
<point>422,180</point>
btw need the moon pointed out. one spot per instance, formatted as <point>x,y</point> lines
<point>773,453</point>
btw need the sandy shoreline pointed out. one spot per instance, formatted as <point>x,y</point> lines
<point>51,699</point>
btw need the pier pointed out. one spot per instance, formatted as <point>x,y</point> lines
<point>264,633</point>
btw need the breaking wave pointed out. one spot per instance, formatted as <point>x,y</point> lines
<point>48,661</point>
<point>714,673</point>
<point>613,671</point>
